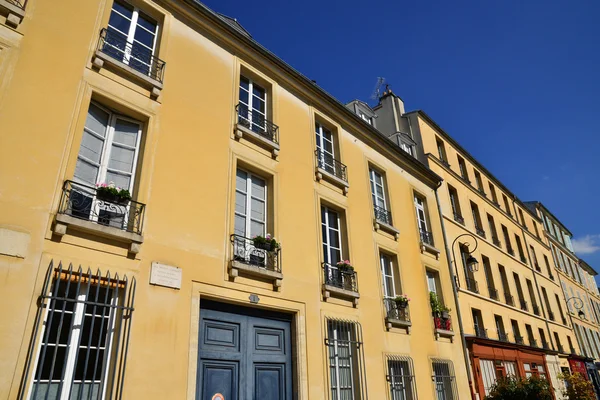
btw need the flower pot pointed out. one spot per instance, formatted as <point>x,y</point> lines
<point>402,304</point>
<point>107,196</point>
<point>445,315</point>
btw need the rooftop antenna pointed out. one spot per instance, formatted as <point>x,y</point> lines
<point>377,91</point>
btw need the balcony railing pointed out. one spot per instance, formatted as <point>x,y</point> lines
<point>573,351</point>
<point>138,57</point>
<point>480,332</point>
<point>536,309</point>
<point>472,285</point>
<point>256,122</point>
<point>496,241</point>
<point>480,231</point>
<point>510,300</point>
<point>502,336</point>
<point>524,306</point>
<point>442,323</point>
<point>545,345</point>
<point>82,201</point>
<point>551,315</point>
<point>382,215</point>
<point>459,218</point>
<point>560,348</point>
<point>395,311</point>
<point>519,339</point>
<point>510,251</point>
<point>329,164</point>
<point>523,259</point>
<point>482,192</point>
<point>493,293</point>
<point>537,267</point>
<point>259,255</point>
<point>17,3</point>
<point>445,163</point>
<point>426,237</point>
<point>533,342</point>
<point>564,320</point>
<point>335,277</point>
<point>495,202</point>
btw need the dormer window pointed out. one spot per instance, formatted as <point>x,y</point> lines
<point>366,118</point>
<point>406,143</point>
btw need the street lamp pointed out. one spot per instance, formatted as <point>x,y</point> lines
<point>578,304</point>
<point>472,263</point>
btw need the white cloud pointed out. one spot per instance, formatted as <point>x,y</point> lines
<point>587,245</point>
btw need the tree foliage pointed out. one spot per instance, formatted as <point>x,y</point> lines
<point>577,387</point>
<point>513,388</point>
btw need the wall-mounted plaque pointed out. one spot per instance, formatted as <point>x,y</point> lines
<point>165,275</point>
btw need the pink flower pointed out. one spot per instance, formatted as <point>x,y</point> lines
<point>268,236</point>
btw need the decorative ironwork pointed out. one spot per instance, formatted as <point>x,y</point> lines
<point>564,321</point>
<point>523,259</point>
<point>401,377</point>
<point>536,309</point>
<point>82,201</point>
<point>17,3</point>
<point>341,279</point>
<point>326,162</point>
<point>444,380</point>
<point>481,332</point>
<point>426,237</point>
<point>551,315</point>
<point>442,323</point>
<point>480,231</point>
<point>493,293</point>
<point>560,348</point>
<point>445,163</point>
<point>81,314</point>
<point>137,57</point>
<point>510,251</point>
<point>510,300</point>
<point>482,192</point>
<point>494,202</point>
<point>524,306</point>
<point>496,241</point>
<point>533,342</point>
<point>244,250</point>
<point>396,311</point>
<point>545,345</point>
<point>256,122</point>
<point>573,351</point>
<point>458,218</point>
<point>519,339</point>
<point>383,215</point>
<point>502,336</point>
<point>472,285</point>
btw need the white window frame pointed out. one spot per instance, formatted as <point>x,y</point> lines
<point>431,282</point>
<point>249,196</point>
<point>322,135</point>
<point>374,176</point>
<point>388,293</point>
<point>327,239</point>
<point>74,344</point>
<point>249,117</point>
<point>420,207</point>
<point>133,26</point>
<point>347,343</point>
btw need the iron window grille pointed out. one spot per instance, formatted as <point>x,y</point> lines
<point>510,300</point>
<point>401,377</point>
<point>444,379</point>
<point>533,342</point>
<point>326,162</point>
<point>480,231</point>
<point>426,237</point>
<point>481,332</point>
<point>502,336</point>
<point>344,342</point>
<point>472,285</point>
<point>81,335</point>
<point>383,215</point>
<point>459,218</point>
<point>395,311</point>
<point>342,279</point>
<point>263,256</point>
<point>82,201</point>
<point>254,120</point>
<point>493,293</point>
<point>139,58</point>
<point>519,339</point>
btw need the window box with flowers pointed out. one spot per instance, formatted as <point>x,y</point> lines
<point>397,312</point>
<point>441,317</point>
<point>258,257</point>
<point>340,281</point>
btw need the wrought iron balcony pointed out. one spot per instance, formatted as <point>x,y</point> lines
<point>382,215</point>
<point>493,293</point>
<point>472,285</point>
<point>551,276</point>
<point>340,279</point>
<point>510,300</point>
<point>533,342</point>
<point>560,348</point>
<point>496,241</point>
<point>524,306</point>
<point>510,251</point>
<point>330,165</point>
<point>139,58</point>
<point>480,332</point>
<point>519,339</point>
<point>536,309</point>
<point>480,231</point>
<point>494,202</point>
<point>17,3</point>
<point>396,312</point>
<point>545,345</point>
<point>256,122</point>
<point>84,202</point>
<point>481,192</point>
<point>466,179</point>
<point>551,315</point>
<point>523,259</point>
<point>444,324</point>
<point>444,163</point>
<point>573,351</point>
<point>459,218</point>
<point>426,237</point>
<point>260,255</point>
<point>502,336</point>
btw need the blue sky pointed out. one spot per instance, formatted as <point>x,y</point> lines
<point>515,82</point>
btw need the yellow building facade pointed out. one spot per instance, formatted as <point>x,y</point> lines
<point>149,150</point>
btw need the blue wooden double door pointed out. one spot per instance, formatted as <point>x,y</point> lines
<point>244,354</point>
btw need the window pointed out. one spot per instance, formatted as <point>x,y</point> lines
<point>557,341</point>
<point>252,111</point>
<point>250,204</point>
<point>379,197</point>
<point>505,287</point>
<point>547,304</point>
<point>548,268</point>
<point>506,204</point>
<point>325,141</point>
<point>131,38</point>
<point>463,169</point>
<point>493,231</point>
<point>543,338</point>
<point>80,348</point>
<point>401,378</point>
<point>455,204</point>
<point>441,150</point>
<point>389,276</point>
<point>480,330</point>
<point>560,310</point>
<point>530,337</point>
<point>477,220</point>
<point>444,379</point>
<point>520,292</point>
<point>365,118</point>
<point>534,258</point>
<point>535,228</point>
<point>493,192</point>
<point>432,282</point>
<point>516,331</point>
<point>489,277</point>
<point>570,344</point>
<point>534,304</point>
<point>332,236</point>
<point>520,248</point>
<point>534,369</point>
<point>469,275</point>
<point>479,182</point>
<point>507,240</point>
<point>346,360</point>
<point>500,328</point>
<point>420,208</point>
<point>522,218</point>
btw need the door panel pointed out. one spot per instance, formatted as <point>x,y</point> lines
<point>244,353</point>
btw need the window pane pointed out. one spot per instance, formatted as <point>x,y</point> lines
<point>126,132</point>
<point>332,219</point>
<point>97,120</point>
<point>123,8</point>
<point>240,203</point>
<point>244,83</point>
<point>147,22</point>
<point>258,187</point>
<point>258,91</point>
<point>258,210</point>
<point>119,23</point>
<point>91,147</point>
<point>121,159</point>
<point>334,240</point>
<point>244,99</point>
<point>240,180</point>
<point>240,225</point>
<point>119,180</point>
<point>85,172</point>
<point>144,37</point>
<point>257,228</point>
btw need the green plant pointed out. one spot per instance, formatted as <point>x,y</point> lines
<point>436,305</point>
<point>513,388</point>
<point>112,192</point>
<point>577,387</point>
<point>266,242</point>
<point>344,265</point>
<point>402,299</point>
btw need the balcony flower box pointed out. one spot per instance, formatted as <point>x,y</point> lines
<point>112,194</point>
<point>267,242</point>
<point>345,266</point>
<point>401,301</point>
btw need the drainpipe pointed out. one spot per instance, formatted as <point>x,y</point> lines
<point>455,293</point>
